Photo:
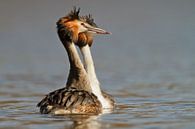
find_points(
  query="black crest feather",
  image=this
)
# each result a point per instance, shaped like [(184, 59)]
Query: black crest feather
[(89, 19), (74, 14)]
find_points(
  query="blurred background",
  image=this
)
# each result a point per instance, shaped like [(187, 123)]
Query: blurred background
[(151, 41), (150, 52)]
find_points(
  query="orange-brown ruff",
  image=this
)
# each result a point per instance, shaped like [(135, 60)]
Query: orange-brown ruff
[(86, 38), (76, 97)]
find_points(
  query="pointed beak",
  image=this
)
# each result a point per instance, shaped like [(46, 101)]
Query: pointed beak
[(96, 30)]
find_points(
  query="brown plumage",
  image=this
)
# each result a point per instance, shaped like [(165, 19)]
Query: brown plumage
[(77, 96), (70, 100)]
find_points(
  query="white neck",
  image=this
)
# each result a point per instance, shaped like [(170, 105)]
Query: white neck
[(90, 69), (89, 66)]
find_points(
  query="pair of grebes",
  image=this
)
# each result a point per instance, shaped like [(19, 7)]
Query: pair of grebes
[(82, 93)]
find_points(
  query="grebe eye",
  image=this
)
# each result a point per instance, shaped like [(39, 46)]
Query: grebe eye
[(82, 24)]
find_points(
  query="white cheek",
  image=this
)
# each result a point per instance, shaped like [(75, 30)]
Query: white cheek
[(82, 29)]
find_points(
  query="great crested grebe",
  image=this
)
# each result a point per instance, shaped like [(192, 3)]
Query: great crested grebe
[(77, 97), (84, 42)]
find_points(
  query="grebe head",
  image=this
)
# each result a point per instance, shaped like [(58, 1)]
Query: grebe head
[(87, 37), (70, 26)]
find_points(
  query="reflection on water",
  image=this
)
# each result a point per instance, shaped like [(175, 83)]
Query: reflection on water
[(138, 106)]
